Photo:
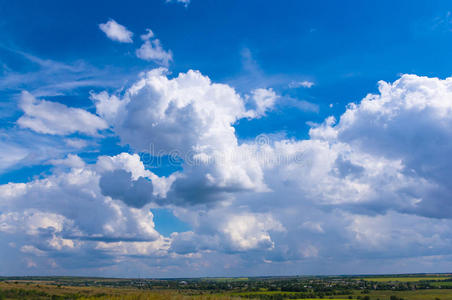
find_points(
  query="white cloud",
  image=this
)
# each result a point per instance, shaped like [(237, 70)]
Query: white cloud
[(116, 32), (188, 112), (181, 121), (147, 36), (66, 212), (304, 83), (369, 167), (264, 100), (72, 161), (375, 183), (399, 131), (229, 231), (191, 118), (152, 50), (57, 119), (246, 232)]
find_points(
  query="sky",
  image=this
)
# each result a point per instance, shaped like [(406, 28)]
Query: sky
[(191, 138)]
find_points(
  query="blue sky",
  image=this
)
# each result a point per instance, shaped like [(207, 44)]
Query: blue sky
[(163, 137)]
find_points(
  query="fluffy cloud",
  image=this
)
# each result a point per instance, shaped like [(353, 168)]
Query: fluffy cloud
[(410, 121), (375, 183), (152, 50), (264, 100), (179, 114), (116, 32), (248, 231), (338, 166), (67, 213), (68, 195), (227, 230), (55, 118), (402, 134), (193, 119)]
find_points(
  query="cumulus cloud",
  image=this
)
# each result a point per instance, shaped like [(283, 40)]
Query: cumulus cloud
[(374, 183), (248, 231), (191, 118), (152, 50), (402, 132), (188, 112), (67, 213), (416, 112), (355, 168), (228, 231), (57, 119), (116, 32)]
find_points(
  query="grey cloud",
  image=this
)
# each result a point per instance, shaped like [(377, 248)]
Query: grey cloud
[(118, 184)]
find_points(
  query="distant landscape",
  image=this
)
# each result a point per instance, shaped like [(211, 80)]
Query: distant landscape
[(391, 287)]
